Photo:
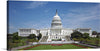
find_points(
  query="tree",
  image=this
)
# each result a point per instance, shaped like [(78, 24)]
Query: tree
[(98, 35), (39, 36), (86, 35), (16, 37), (94, 33), (76, 34), (32, 36)]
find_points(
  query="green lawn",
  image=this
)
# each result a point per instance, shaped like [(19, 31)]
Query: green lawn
[(46, 47)]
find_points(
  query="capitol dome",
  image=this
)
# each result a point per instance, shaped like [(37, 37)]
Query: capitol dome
[(56, 22)]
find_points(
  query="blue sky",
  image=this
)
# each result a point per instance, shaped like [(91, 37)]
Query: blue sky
[(39, 15)]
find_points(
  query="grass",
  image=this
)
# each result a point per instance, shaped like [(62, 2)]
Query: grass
[(46, 47)]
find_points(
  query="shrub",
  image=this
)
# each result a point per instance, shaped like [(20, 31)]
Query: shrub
[(32, 40), (76, 34), (75, 39), (31, 36), (56, 39), (17, 41)]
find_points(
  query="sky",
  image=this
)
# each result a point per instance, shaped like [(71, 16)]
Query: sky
[(39, 15)]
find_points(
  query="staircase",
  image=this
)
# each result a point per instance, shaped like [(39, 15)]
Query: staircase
[(44, 39), (67, 38)]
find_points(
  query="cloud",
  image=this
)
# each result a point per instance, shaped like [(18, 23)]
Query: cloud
[(82, 17), (35, 25), (36, 4)]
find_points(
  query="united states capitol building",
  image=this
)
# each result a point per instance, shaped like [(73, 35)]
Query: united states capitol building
[(55, 32)]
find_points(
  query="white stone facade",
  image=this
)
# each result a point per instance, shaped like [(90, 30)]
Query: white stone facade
[(27, 31), (85, 30), (55, 32)]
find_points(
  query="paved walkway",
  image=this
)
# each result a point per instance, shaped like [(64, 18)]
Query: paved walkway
[(88, 45), (21, 47)]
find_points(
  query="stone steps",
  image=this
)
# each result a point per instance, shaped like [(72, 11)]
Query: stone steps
[(44, 39), (67, 38)]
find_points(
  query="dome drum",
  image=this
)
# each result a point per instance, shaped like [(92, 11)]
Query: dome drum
[(56, 22)]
